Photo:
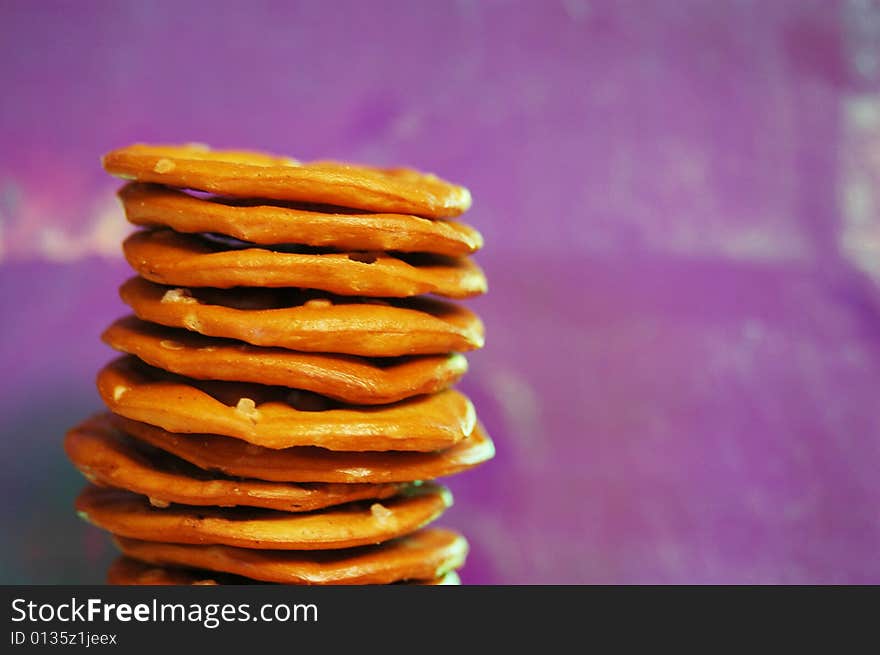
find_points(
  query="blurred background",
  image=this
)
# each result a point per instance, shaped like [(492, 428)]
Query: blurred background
[(680, 204)]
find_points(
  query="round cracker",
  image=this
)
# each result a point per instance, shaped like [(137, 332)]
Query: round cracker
[(106, 456), (343, 377), (345, 526), (424, 555), (258, 175), (292, 319), (305, 464), (130, 572), (267, 416), (153, 205), (166, 257)]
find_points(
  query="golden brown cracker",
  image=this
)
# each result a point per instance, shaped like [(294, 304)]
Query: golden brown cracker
[(108, 457), (346, 378), (152, 205), (166, 257), (309, 464), (276, 417), (344, 526), (258, 175), (423, 555), (128, 571), (131, 572), (291, 319)]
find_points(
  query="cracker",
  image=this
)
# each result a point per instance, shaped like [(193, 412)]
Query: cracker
[(275, 417), (166, 257), (106, 456), (128, 571), (291, 319), (345, 526), (344, 377), (257, 175), (305, 464), (152, 205), (423, 555)]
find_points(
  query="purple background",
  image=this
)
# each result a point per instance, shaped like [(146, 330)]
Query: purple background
[(683, 242)]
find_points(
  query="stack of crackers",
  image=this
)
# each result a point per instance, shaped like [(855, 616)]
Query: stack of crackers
[(284, 403)]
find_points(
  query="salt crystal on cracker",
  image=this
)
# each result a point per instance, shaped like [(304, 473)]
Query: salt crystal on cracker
[(164, 166), (192, 322), (178, 295), (248, 408), (380, 512)]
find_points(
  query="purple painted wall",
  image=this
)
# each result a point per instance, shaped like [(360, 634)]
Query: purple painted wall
[(680, 205)]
